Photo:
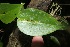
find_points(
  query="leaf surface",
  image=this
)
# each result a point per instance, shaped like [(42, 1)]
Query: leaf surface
[(35, 22), (8, 12)]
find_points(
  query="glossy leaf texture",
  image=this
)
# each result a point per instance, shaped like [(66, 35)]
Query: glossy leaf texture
[(8, 12), (35, 22)]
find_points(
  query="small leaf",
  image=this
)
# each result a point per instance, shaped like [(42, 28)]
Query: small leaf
[(35, 22), (54, 39), (9, 11)]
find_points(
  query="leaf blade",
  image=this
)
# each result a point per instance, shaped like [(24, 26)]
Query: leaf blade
[(35, 22), (10, 12)]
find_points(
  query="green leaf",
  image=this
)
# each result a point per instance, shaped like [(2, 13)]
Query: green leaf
[(54, 39), (8, 12), (35, 22)]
